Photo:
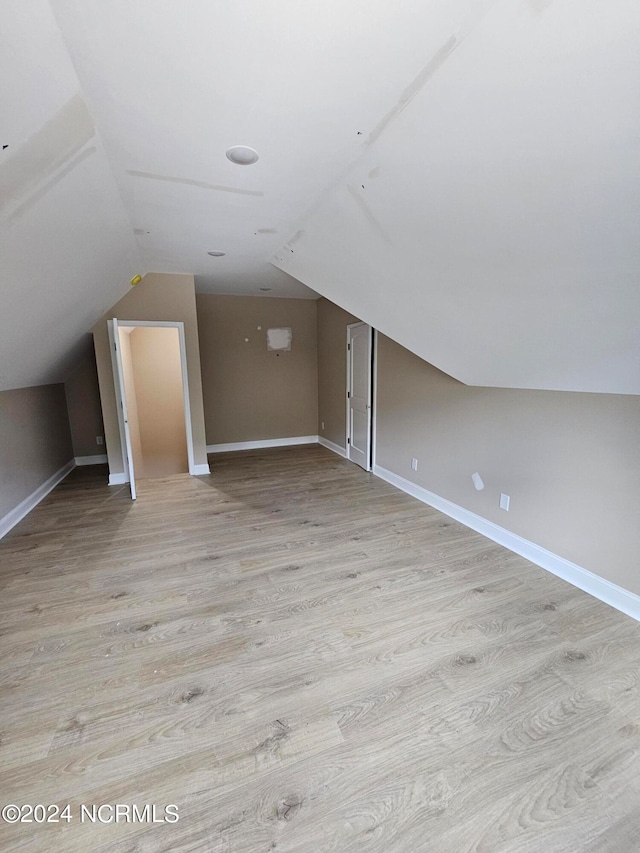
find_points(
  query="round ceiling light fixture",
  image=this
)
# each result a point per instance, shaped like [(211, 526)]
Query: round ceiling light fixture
[(242, 155), (217, 254)]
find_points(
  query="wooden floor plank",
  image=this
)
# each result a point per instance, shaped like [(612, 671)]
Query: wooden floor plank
[(303, 658)]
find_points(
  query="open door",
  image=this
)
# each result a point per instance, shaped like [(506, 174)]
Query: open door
[(359, 349), (121, 402)]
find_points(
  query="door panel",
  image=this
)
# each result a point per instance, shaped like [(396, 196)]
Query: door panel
[(121, 400), (359, 394)]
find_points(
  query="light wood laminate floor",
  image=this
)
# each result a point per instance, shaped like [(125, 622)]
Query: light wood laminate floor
[(302, 658)]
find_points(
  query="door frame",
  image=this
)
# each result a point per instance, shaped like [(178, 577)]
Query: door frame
[(123, 408), (168, 324), (374, 399), (117, 389), (373, 373)]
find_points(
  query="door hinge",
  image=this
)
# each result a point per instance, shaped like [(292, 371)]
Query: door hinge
[(348, 395), (348, 346), (348, 441), (115, 348)]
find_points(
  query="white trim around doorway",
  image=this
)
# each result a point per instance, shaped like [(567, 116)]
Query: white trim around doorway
[(372, 401), (194, 469)]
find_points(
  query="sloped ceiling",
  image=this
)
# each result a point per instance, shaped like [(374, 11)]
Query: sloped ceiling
[(492, 221), (463, 174), (173, 85), (66, 247)]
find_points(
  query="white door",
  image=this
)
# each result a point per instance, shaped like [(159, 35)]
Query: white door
[(121, 401), (359, 394)]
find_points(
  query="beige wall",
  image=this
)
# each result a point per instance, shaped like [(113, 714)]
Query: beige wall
[(35, 441), (83, 403), (250, 393), (155, 357), (332, 371), (160, 296), (569, 461)]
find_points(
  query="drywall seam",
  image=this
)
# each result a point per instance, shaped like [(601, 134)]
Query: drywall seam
[(416, 85), (257, 445), (189, 182), (24, 507), (433, 65), (331, 445), (368, 215), (610, 593), (49, 185), (46, 151)]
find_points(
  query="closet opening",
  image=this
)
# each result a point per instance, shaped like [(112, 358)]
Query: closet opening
[(153, 399)]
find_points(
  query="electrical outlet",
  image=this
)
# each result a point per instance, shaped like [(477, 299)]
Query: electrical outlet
[(414, 464), (99, 439), (505, 500), (322, 424)]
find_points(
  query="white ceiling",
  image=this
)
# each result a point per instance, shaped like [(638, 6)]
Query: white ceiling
[(173, 85), (498, 142), (493, 226), (66, 245)]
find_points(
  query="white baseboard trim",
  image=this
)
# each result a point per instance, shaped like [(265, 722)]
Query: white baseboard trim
[(92, 460), (200, 470), (258, 445), (24, 507), (118, 479), (612, 594), (330, 445), (122, 479)]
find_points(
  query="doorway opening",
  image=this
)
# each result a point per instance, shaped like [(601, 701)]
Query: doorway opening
[(360, 356), (153, 399)]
